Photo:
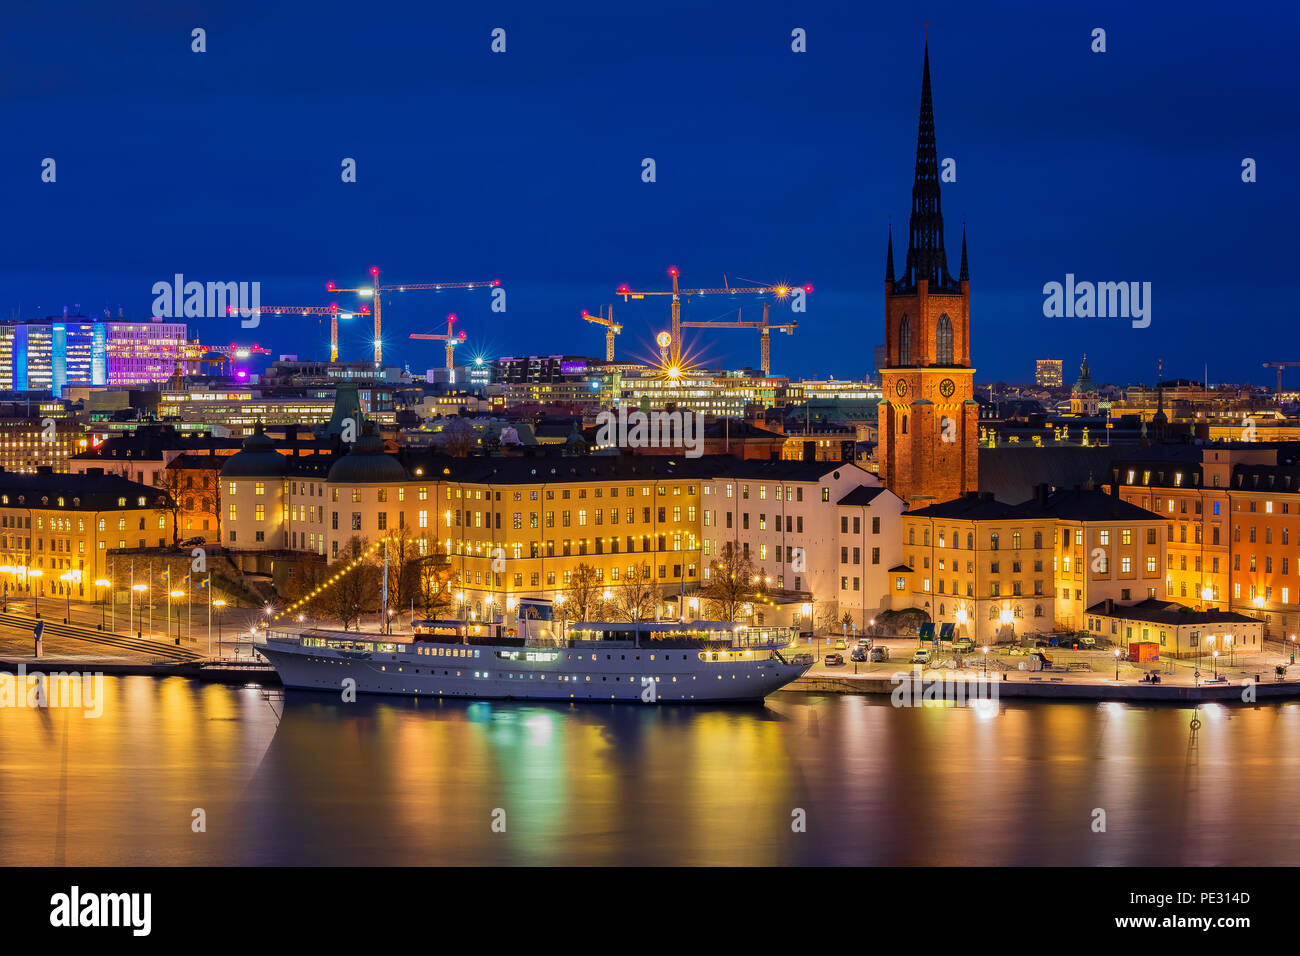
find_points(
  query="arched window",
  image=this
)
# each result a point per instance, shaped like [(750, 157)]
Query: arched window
[(905, 341), (993, 541), (970, 541), (943, 341), (1038, 610)]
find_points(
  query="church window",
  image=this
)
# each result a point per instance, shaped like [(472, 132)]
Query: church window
[(943, 342)]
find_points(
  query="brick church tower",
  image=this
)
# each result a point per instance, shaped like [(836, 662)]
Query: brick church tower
[(929, 419)]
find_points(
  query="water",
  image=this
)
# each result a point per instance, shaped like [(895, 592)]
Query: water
[(403, 782)]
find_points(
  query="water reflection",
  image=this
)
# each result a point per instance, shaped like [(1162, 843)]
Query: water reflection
[(309, 780)]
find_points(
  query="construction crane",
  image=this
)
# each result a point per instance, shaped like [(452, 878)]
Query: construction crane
[(612, 329), (196, 350), (1279, 366), (764, 331), (780, 291), (376, 289), (451, 339), (333, 311)]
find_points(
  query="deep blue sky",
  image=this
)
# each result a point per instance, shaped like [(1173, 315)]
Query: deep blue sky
[(771, 165)]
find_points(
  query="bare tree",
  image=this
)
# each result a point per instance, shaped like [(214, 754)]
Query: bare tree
[(585, 596), (731, 582), (308, 573), (434, 580), (356, 589), (637, 597), (405, 562), (171, 482)]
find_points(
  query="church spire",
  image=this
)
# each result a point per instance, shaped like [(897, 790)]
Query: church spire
[(926, 258), (889, 257), (964, 275)]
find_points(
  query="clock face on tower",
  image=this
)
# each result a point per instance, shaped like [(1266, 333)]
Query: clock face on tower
[(946, 388), (901, 388)]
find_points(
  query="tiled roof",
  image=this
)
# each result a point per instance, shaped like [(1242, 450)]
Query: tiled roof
[(1155, 611), (88, 492)]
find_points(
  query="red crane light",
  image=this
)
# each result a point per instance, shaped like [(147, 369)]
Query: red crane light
[(807, 288), (672, 270), (622, 288), (329, 286)]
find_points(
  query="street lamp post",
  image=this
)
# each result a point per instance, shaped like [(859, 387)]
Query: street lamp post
[(1117, 664), (218, 604), (172, 595), (1216, 664), (101, 583), (36, 591), (67, 578), (135, 589)]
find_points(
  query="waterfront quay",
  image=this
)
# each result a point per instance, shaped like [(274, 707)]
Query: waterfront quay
[(1075, 674)]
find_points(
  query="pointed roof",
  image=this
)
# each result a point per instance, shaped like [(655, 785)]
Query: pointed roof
[(964, 275), (1084, 384), (889, 257), (926, 258)]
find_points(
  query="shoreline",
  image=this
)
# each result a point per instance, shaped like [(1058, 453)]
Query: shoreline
[(878, 685), (218, 672), (1046, 688)]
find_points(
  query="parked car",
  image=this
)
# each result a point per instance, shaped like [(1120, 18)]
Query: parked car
[(193, 542), (834, 660), (840, 645), (859, 654), (880, 653), (922, 656), (1088, 642), (963, 645)]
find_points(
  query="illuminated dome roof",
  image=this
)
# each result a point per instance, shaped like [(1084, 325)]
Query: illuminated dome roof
[(1085, 383), (257, 458), (367, 463)]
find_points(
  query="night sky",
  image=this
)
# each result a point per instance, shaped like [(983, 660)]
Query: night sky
[(771, 165)]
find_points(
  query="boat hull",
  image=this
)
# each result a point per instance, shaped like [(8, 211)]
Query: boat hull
[(623, 674)]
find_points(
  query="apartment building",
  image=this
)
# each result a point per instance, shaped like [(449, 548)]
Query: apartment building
[(512, 527), (57, 531), (825, 532), (997, 570), (1232, 521), (520, 526)]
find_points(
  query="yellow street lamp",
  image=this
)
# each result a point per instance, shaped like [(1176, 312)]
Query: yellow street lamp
[(36, 573), (171, 595), (102, 583)]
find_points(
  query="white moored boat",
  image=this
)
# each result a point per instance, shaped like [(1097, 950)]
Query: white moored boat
[(645, 662)]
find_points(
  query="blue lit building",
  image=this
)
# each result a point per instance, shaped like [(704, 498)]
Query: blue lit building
[(49, 355)]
